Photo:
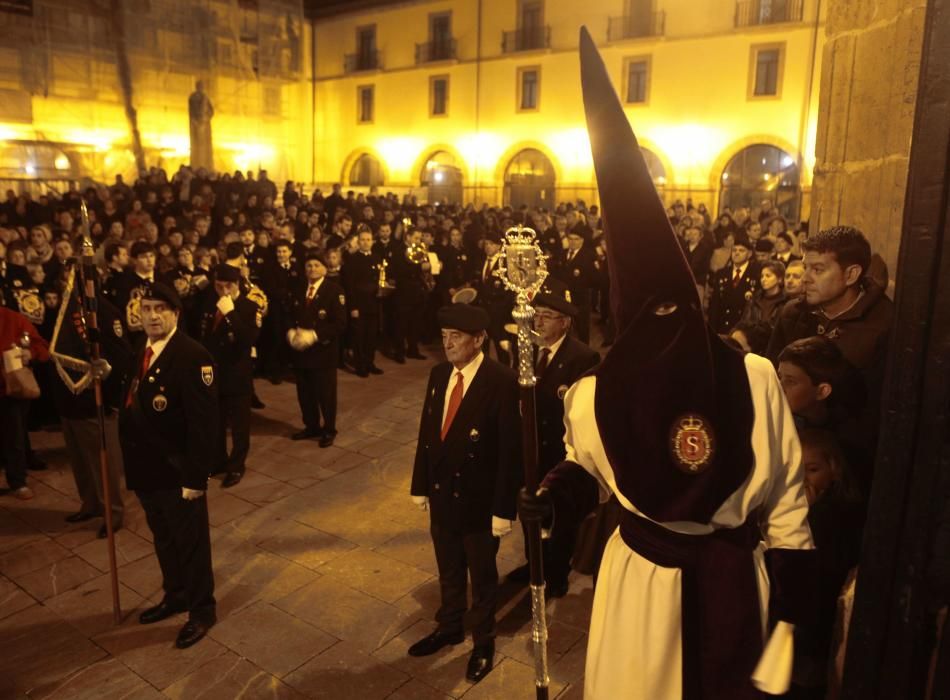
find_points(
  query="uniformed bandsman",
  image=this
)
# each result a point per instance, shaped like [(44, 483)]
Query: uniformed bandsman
[(319, 319), (494, 297), (561, 360), (577, 270), (467, 473), (127, 289), (171, 407), (281, 278), (733, 286), (229, 328), (361, 282)]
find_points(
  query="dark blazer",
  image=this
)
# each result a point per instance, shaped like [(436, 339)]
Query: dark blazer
[(230, 344), (727, 300), (476, 472), (572, 360), (325, 314), (165, 431), (579, 274), (493, 296), (360, 275)]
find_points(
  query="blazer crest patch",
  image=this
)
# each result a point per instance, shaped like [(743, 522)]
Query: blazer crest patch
[(207, 374)]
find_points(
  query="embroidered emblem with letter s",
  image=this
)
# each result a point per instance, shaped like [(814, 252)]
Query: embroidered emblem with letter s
[(207, 374), (692, 443)]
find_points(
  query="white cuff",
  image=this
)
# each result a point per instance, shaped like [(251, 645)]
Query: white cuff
[(500, 526), (421, 502)]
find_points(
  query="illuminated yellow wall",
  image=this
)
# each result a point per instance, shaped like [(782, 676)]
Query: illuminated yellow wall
[(82, 110), (697, 117)]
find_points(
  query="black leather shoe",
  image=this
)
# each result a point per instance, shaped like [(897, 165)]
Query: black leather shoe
[(520, 575), (231, 479), (193, 632), (555, 589), (362, 374), (399, 360), (257, 403), (375, 370), (435, 641), (305, 434), (326, 439), (160, 612), (481, 662), (81, 517), (103, 533)]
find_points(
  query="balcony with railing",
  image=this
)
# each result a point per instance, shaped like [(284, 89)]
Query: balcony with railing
[(432, 51), (361, 61), (636, 26), (753, 13), (528, 39)]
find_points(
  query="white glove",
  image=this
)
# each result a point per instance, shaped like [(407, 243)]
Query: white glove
[(101, 369), (225, 304), (191, 494), (421, 502), (500, 526)]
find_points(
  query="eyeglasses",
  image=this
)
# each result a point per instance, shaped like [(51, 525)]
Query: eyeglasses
[(545, 317)]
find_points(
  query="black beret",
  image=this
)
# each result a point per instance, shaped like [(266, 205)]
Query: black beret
[(493, 236), (141, 248), (159, 291), (227, 273), (764, 245), (741, 238), (554, 294), (234, 250), (582, 230), (787, 236), (464, 317)]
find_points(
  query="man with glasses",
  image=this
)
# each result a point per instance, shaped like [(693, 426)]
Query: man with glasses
[(561, 360)]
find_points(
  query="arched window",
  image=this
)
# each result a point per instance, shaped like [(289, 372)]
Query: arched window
[(443, 178), (366, 172), (530, 180), (655, 166), (762, 173), (34, 161)]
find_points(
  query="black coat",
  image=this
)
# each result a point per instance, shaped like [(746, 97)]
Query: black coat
[(727, 300), (572, 360), (494, 297), (230, 344), (165, 431), (477, 471), (580, 274), (360, 276), (325, 314)]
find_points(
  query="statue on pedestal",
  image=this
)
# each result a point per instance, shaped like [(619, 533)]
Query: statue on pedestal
[(200, 112)]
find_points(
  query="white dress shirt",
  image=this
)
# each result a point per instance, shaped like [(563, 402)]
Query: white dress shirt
[(468, 374)]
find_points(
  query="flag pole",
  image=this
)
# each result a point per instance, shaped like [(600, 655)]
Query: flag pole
[(89, 306), (523, 271)]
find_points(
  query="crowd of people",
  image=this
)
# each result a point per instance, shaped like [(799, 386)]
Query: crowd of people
[(302, 286)]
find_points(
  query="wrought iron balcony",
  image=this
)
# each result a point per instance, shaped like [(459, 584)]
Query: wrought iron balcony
[(430, 51), (751, 13), (526, 39), (363, 60), (636, 26)]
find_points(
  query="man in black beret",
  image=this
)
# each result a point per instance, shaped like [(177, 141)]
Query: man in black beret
[(764, 250), (733, 286), (467, 473), (560, 361), (170, 408), (577, 270), (494, 297), (229, 327)]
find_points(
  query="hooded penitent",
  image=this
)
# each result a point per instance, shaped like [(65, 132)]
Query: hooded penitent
[(672, 402)]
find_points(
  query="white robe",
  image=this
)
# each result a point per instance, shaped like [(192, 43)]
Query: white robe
[(634, 651)]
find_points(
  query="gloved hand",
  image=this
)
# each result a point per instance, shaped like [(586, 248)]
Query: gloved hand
[(500, 526), (535, 506), (191, 494), (101, 369), (225, 304), (421, 502)]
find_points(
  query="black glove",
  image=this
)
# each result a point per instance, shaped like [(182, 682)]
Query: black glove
[(535, 506)]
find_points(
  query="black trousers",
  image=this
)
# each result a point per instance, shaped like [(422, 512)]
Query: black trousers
[(183, 545), (364, 330), (556, 552), (14, 440), (316, 394), (408, 326), (581, 324), (275, 353), (234, 412), (460, 556)]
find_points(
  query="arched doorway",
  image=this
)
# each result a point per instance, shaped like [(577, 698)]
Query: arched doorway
[(443, 178), (758, 173), (35, 167), (530, 180), (655, 166), (367, 171)]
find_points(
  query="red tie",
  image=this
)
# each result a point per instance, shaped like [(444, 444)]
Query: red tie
[(455, 400), (218, 317), (736, 278), (146, 360)]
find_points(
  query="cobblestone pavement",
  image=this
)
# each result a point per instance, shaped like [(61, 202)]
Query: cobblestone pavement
[(324, 570)]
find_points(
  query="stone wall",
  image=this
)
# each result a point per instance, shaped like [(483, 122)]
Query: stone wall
[(869, 76)]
